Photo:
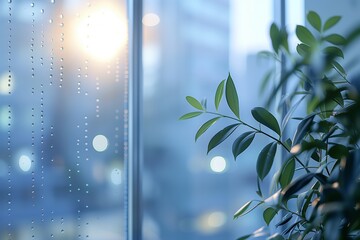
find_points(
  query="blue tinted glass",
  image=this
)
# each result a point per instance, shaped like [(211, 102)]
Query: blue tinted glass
[(189, 47), (63, 78)]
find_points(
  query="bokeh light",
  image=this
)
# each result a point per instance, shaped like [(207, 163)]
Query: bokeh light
[(115, 176), (151, 20), (218, 164), (100, 143), (24, 163)]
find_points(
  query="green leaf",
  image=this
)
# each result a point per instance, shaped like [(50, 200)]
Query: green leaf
[(339, 68), (297, 185), (244, 237), (190, 115), (300, 200), (303, 50), (259, 192), (275, 37), (305, 35), (331, 22), (335, 39), (265, 160), (245, 209), (287, 173), (195, 103), (284, 40), (232, 97), (219, 93), (338, 151), (334, 51), (205, 127), (264, 117), (303, 128), (269, 214), (242, 210), (242, 143), (290, 112), (288, 143), (221, 136), (315, 20), (312, 144)]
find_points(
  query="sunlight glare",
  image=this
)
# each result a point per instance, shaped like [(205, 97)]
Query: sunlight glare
[(102, 34)]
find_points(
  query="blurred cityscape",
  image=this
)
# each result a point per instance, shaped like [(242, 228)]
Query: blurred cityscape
[(63, 114), (62, 110), (189, 47)]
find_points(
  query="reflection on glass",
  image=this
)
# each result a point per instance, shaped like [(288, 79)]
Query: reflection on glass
[(63, 78)]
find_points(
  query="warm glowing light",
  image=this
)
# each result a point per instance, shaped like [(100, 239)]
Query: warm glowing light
[(211, 222), (24, 163), (151, 20), (218, 164), (100, 143), (102, 34), (5, 85), (295, 149), (216, 219)]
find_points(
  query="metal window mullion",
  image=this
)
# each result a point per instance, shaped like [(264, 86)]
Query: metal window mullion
[(134, 209)]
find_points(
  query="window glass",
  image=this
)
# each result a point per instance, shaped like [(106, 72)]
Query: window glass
[(189, 47), (350, 19), (63, 81)]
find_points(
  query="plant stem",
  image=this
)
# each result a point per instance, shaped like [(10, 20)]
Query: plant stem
[(264, 133)]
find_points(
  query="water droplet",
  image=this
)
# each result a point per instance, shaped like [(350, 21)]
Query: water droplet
[(32, 4), (9, 1), (50, 20), (42, 11), (52, 1)]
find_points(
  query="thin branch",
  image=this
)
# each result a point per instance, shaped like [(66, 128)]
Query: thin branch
[(264, 133)]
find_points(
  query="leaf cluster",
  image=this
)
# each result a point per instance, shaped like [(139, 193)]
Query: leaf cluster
[(316, 191)]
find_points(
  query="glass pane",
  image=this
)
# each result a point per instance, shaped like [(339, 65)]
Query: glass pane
[(189, 47), (63, 91), (350, 18)]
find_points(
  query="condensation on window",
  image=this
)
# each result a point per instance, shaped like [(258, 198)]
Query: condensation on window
[(63, 119)]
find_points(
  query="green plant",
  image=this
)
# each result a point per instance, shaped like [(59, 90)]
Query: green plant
[(316, 192)]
